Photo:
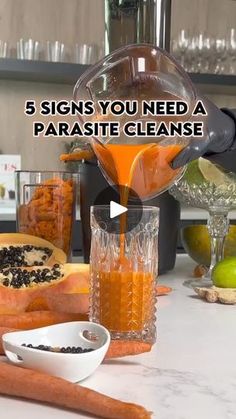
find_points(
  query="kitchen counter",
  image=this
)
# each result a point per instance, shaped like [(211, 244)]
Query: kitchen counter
[(190, 373)]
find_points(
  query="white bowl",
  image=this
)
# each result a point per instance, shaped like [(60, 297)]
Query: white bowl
[(72, 367)]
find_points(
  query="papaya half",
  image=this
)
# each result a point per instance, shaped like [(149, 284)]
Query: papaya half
[(11, 243), (34, 276), (68, 293)]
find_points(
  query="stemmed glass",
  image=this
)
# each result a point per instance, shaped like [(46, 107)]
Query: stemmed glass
[(208, 46), (191, 56), (182, 42), (202, 53), (232, 51), (221, 55), (4, 50), (216, 193)]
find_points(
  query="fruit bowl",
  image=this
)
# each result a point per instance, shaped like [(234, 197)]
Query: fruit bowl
[(196, 243)]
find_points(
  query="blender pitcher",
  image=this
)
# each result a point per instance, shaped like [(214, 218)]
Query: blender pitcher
[(137, 72)]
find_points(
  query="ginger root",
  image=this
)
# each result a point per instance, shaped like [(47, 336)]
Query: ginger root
[(215, 294)]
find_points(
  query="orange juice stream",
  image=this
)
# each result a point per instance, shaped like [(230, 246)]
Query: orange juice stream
[(126, 296)]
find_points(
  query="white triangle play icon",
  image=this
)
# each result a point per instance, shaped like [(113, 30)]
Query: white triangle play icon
[(116, 209)]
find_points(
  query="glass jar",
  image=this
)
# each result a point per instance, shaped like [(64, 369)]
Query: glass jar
[(46, 206)]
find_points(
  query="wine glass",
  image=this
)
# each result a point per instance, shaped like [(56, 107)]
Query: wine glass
[(200, 52), (208, 186), (183, 42), (232, 51), (221, 55), (208, 48), (179, 47), (191, 56)]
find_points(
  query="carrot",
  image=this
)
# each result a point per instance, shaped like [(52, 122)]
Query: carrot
[(119, 348), (35, 319), (79, 155), (163, 289), (49, 212), (33, 385)]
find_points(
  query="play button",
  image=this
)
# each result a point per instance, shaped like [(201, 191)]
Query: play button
[(108, 210), (116, 209)]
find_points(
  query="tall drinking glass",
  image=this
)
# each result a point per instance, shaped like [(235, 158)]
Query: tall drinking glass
[(46, 206), (124, 266)]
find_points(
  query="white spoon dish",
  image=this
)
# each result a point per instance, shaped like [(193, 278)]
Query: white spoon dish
[(70, 366)]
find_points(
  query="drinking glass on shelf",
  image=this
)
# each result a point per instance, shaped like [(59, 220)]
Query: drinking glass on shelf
[(123, 271), (206, 185), (4, 52), (199, 52), (27, 50), (202, 53), (185, 50), (208, 56), (191, 56), (183, 43), (231, 49), (221, 56), (86, 54), (45, 206), (175, 49), (55, 51)]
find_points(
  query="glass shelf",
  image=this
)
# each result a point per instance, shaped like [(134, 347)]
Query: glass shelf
[(68, 73)]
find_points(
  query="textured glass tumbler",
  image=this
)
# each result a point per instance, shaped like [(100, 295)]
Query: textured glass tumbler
[(46, 206), (123, 271)]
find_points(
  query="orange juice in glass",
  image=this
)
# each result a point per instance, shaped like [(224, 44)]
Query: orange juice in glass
[(124, 267)]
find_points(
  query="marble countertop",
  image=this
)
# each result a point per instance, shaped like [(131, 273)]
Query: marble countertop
[(190, 373)]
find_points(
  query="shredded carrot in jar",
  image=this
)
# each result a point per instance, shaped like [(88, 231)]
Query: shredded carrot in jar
[(49, 213)]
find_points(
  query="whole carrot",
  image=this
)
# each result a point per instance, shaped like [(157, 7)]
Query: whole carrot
[(163, 290), (35, 319), (119, 348), (33, 385), (78, 156)]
